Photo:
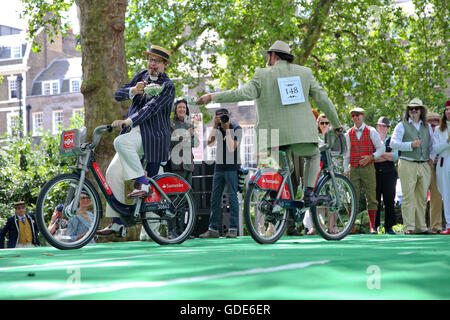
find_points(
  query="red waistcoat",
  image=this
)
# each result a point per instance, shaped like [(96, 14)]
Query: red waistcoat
[(361, 147)]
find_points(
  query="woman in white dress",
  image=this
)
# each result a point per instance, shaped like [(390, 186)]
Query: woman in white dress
[(441, 146)]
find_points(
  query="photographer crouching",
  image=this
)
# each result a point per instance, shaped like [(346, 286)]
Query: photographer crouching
[(228, 136)]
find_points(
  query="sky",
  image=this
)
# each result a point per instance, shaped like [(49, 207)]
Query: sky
[(10, 11)]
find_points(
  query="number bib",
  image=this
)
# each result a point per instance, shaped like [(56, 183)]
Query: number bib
[(291, 90)]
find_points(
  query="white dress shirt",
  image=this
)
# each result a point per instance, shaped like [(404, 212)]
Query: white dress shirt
[(374, 136), (397, 139)]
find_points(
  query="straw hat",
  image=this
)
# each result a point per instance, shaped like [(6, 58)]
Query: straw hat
[(433, 115), (160, 52), (19, 203)]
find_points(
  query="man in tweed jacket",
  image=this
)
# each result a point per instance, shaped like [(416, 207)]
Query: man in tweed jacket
[(294, 122), (149, 119)]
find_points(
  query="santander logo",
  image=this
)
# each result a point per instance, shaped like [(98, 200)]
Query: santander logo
[(173, 185), (69, 140), (270, 181)]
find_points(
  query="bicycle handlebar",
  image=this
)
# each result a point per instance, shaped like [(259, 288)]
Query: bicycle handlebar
[(98, 133)]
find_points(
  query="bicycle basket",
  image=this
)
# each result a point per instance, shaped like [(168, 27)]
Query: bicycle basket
[(70, 141), (339, 146)]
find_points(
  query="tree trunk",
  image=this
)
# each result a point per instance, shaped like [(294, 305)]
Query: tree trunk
[(102, 24)]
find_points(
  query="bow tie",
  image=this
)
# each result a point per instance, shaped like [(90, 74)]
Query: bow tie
[(359, 130), (22, 219)]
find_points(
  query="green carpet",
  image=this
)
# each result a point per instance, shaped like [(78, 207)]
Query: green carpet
[(358, 267)]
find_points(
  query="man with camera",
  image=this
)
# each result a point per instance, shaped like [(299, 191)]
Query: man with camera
[(228, 136)]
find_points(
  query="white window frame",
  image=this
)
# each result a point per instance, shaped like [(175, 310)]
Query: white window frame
[(14, 50), (79, 84), (38, 130), (77, 111), (13, 81), (51, 87), (55, 124), (247, 145), (10, 121)]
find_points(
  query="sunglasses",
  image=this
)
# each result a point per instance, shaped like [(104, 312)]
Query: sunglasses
[(413, 108), (324, 123), (85, 198), (356, 114)]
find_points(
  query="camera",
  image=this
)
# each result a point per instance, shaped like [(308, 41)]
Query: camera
[(224, 118)]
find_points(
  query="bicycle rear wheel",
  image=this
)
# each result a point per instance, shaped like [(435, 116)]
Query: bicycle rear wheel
[(165, 227), (62, 229), (264, 226), (335, 214)]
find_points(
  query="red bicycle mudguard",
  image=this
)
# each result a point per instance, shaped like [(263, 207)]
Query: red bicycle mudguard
[(271, 180), (170, 184)]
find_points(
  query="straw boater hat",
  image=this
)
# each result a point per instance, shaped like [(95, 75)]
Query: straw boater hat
[(280, 46), (160, 52), (19, 203)]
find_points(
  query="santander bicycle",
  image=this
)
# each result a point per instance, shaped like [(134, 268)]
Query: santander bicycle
[(60, 200), (270, 200)]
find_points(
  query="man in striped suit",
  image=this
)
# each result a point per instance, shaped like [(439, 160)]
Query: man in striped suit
[(364, 146), (149, 120)]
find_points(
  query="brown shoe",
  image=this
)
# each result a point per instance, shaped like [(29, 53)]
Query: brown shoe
[(141, 191), (209, 234), (231, 234)]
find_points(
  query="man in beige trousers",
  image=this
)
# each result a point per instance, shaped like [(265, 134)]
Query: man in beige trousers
[(282, 93), (412, 137)]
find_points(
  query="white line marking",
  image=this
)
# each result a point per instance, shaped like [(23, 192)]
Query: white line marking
[(83, 290)]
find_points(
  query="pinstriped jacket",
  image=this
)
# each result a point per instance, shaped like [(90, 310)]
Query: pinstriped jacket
[(151, 114)]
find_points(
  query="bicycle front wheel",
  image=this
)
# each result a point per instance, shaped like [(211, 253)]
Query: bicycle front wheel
[(264, 225), (59, 226), (166, 227), (335, 214)]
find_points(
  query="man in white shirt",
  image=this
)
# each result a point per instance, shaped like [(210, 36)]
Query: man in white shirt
[(412, 137), (365, 146)]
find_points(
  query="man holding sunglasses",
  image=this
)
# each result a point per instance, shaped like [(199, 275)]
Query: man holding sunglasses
[(412, 137)]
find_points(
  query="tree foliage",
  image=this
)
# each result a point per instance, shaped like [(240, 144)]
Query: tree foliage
[(366, 53), (26, 166)]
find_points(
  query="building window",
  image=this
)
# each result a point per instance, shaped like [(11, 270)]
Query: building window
[(50, 87), (13, 89), (38, 121), (248, 143), (57, 121), (17, 52), (75, 85), (12, 123)]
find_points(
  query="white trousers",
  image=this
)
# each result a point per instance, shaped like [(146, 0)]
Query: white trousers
[(125, 165), (443, 183)]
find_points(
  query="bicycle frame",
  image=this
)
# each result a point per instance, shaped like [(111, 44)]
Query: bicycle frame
[(87, 162)]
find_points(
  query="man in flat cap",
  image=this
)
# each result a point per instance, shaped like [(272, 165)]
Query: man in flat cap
[(364, 147), (282, 93), (412, 138), (435, 196), (149, 119), (21, 229)]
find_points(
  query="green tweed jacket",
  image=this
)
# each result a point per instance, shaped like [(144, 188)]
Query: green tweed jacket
[(295, 122)]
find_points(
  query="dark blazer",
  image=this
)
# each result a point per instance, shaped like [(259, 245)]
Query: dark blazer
[(151, 114), (12, 229)]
